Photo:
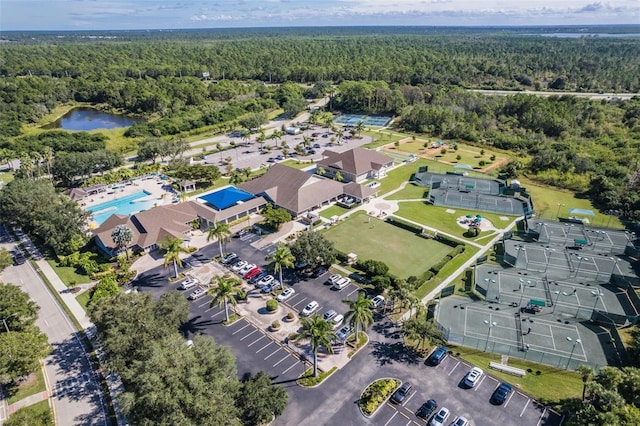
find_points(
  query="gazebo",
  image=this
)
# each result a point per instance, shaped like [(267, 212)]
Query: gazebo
[(187, 185)]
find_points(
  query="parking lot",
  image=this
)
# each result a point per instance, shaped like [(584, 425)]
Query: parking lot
[(444, 384)]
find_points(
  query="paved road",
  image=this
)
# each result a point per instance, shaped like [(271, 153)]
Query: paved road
[(77, 399), (607, 96)]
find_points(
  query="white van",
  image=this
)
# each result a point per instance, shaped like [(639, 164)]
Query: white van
[(337, 321)]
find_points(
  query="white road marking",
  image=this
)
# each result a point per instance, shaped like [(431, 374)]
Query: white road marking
[(285, 357), (454, 367), (272, 353), (204, 304), (389, 421), (354, 291), (254, 331), (238, 331), (294, 364), (410, 396), (525, 407), (477, 386), (216, 314), (255, 341), (508, 399), (542, 416), (264, 347)]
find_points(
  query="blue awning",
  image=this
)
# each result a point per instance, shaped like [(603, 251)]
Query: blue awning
[(583, 212)]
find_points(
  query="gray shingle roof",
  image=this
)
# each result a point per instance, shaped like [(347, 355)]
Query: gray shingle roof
[(355, 161)]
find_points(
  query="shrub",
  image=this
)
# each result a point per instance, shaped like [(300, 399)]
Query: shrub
[(290, 316), (376, 393), (272, 305), (275, 325)]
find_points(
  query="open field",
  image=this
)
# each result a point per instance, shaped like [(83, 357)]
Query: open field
[(32, 385), (409, 192), (405, 253), (68, 274), (445, 272), (334, 210), (437, 217), (39, 413), (547, 198)]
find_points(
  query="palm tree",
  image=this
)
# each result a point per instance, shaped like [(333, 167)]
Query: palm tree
[(223, 291), (338, 176), (321, 171), (48, 157), (172, 247), (122, 236), (220, 231), (587, 374), (319, 333), (360, 313), (359, 127), (340, 134), (281, 258)]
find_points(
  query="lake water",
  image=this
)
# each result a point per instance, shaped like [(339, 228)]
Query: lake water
[(90, 119), (578, 35)]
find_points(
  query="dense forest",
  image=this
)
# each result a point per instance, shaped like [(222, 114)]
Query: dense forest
[(419, 75)]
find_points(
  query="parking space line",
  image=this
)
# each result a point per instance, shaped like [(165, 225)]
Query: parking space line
[(475, 389), (389, 421), (216, 314), (272, 353), (410, 396), (254, 331), (256, 341), (238, 331), (454, 367), (354, 291), (525, 407), (508, 399), (294, 364), (285, 357), (303, 299), (204, 304), (542, 416), (404, 415), (264, 346)]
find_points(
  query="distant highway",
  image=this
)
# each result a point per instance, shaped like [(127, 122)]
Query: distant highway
[(607, 96)]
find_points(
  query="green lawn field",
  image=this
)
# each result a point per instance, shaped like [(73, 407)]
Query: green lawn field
[(405, 253)]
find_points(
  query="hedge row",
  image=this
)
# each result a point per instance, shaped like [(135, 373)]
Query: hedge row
[(446, 240), (376, 393), (452, 254), (404, 225)]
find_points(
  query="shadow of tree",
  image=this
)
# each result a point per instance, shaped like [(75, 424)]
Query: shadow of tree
[(387, 353)]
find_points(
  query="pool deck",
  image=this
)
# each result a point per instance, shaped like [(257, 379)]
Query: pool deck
[(153, 185)]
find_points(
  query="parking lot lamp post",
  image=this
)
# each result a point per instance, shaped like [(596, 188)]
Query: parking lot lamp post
[(558, 212), (567, 231), (521, 291), (580, 259), (549, 251), (490, 325), (598, 296), (615, 264), (575, 342), (4, 321), (558, 293)]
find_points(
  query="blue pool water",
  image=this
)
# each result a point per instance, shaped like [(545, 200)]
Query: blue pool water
[(123, 205)]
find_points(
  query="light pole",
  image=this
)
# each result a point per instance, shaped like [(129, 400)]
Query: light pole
[(4, 321), (548, 251), (598, 295), (567, 231), (520, 249), (521, 292), (558, 293), (575, 342), (580, 259), (490, 325), (558, 212), (615, 264)]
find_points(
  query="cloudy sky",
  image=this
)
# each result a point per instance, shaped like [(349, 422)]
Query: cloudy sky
[(150, 14)]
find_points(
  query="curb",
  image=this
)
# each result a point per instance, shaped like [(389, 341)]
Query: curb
[(399, 383)]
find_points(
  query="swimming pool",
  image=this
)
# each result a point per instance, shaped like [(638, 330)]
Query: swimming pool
[(123, 205)]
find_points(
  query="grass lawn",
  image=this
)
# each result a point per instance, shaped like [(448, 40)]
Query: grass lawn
[(83, 299), (382, 137), (39, 413), (409, 192), (551, 385), (6, 177), (403, 251), (34, 384), (399, 175), (437, 217), (334, 210), (547, 198), (68, 274), (298, 164), (445, 272)]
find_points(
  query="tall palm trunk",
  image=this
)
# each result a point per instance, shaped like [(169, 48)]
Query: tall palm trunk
[(315, 363), (175, 267), (226, 311)]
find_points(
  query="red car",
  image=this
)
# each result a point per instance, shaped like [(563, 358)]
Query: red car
[(252, 273)]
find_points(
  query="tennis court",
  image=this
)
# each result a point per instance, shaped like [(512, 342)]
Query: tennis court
[(457, 182), (478, 201), (578, 235), (368, 120)]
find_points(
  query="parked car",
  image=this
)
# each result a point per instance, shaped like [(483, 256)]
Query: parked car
[(266, 280), (341, 283), (287, 293), (252, 273), (440, 418), (246, 268), (333, 278), (241, 233), (329, 314), (188, 283), (337, 321), (316, 145), (437, 356), (319, 271), (377, 301), (473, 376), (501, 393), (426, 410), (310, 308), (344, 333), (300, 264), (237, 266), (269, 287), (197, 294), (460, 421), (228, 258), (401, 393), (373, 184), (257, 278)]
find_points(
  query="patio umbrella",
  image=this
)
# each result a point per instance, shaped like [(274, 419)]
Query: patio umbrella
[(479, 216), (469, 216)]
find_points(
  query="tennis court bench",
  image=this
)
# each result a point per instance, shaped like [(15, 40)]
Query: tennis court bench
[(506, 369)]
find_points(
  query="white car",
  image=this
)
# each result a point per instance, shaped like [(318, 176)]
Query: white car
[(333, 278), (265, 281), (310, 308), (473, 377), (460, 421), (341, 283), (377, 301), (188, 283), (246, 268), (329, 314), (197, 294), (239, 266), (440, 418), (287, 293), (336, 321)]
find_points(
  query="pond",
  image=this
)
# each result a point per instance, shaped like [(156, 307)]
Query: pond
[(90, 119)]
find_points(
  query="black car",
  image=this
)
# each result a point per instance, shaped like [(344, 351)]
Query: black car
[(437, 356), (426, 410), (501, 393), (399, 395), (258, 277), (319, 271)]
